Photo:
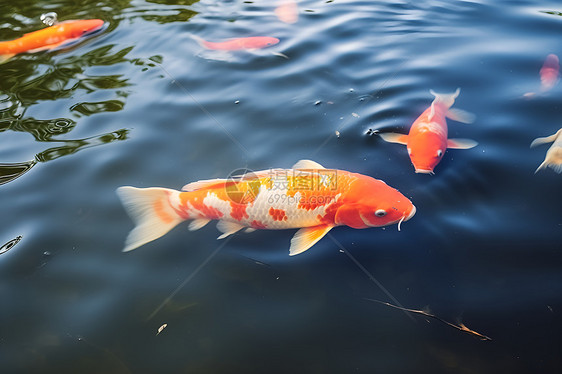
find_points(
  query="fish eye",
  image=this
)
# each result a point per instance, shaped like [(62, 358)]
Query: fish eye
[(380, 213), (439, 153)]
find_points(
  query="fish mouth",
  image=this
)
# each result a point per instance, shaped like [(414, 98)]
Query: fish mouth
[(424, 171)]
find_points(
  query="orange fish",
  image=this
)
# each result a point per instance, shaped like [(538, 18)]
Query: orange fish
[(549, 72), (253, 42), (287, 11), (427, 140), (50, 37), (308, 197)]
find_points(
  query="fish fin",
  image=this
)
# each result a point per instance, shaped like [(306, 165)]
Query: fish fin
[(197, 223), (542, 166), (279, 54), (228, 228), (432, 111), (447, 99), (199, 40), (193, 186), (307, 237), (393, 137), (546, 139), (249, 230), (307, 164), (461, 143), (6, 57), (552, 160), (460, 115), (150, 209)]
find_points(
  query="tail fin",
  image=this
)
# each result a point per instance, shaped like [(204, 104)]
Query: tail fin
[(151, 211), (447, 99)]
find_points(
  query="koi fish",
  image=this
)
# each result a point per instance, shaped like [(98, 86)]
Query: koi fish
[(287, 11), (253, 42), (50, 37), (549, 72), (427, 140), (553, 157), (308, 197)]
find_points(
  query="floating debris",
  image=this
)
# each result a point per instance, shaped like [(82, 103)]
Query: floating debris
[(161, 328), (9, 245), (460, 326), (237, 102), (355, 115), (318, 102), (337, 133), (372, 132)]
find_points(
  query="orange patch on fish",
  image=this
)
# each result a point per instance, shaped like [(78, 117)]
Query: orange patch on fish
[(277, 214), (160, 212), (258, 225), (238, 211)]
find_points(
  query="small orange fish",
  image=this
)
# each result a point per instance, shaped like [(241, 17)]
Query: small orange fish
[(427, 140), (253, 42), (287, 11), (549, 72), (50, 37), (308, 197)]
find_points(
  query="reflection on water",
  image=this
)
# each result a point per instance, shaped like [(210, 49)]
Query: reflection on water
[(9, 245), (9, 172)]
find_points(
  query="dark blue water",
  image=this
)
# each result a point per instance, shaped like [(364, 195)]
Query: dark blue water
[(142, 104)]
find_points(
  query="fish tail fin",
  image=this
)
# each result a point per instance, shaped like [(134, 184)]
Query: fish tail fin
[(198, 39), (5, 57), (151, 211), (553, 160), (447, 99)]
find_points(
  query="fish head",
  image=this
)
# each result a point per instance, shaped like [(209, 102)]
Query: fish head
[(76, 29), (371, 202), (426, 149)]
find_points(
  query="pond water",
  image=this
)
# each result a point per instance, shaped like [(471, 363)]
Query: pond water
[(144, 104)]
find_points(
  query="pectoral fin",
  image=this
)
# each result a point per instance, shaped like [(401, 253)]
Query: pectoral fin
[(197, 223), (460, 115), (6, 57), (228, 228), (393, 137), (546, 139), (461, 143), (306, 238)]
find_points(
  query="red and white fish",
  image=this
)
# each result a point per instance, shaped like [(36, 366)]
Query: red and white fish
[(252, 42), (308, 197), (549, 72), (50, 37), (553, 157), (287, 11), (427, 140)]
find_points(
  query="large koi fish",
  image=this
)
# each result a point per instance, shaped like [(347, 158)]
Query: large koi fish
[(308, 197), (427, 140), (50, 37)]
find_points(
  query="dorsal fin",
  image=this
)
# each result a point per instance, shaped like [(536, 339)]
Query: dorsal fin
[(307, 164), (193, 186)]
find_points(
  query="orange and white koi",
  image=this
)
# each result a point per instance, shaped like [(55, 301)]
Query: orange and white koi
[(253, 42), (553, 157), (50, 37), (427, 140), (308, 197), (549, 72), (287, 11)]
